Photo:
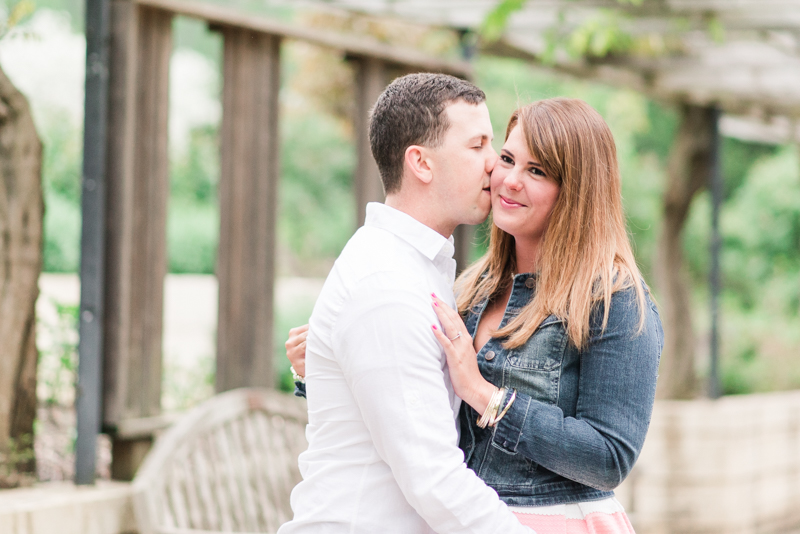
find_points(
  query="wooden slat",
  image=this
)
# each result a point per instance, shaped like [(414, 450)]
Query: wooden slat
[(350, 45), (205, 482), (176, 498), (371, 80), (221, 495), (257, 451), (244, 472), (247, 189), (230, 482)]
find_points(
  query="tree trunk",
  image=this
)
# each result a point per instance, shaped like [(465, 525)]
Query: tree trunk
[(21, 213), (688, 171)]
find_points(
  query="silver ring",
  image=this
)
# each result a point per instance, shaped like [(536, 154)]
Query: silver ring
[(458, 335)]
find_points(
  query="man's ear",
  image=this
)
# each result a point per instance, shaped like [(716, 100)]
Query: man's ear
[(417, 161)]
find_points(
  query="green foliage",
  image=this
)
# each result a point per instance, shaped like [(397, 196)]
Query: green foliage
[(495, 22), (62, 234), (192, 236), (61, 162), (183, 386), (599, 36), (761, 227), (58, 356), (17, 13), (316, 209), (14, 456)]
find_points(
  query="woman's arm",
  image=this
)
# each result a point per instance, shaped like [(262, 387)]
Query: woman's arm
[(616, 391)]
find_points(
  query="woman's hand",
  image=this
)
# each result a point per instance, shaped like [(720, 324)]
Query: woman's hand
[(462, 360), (296, 348)]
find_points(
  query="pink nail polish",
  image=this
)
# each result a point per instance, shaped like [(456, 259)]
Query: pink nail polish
[(436, 304), (434, 295), (434, 327)]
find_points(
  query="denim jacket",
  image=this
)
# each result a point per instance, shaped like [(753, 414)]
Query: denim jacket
[(580, 416)]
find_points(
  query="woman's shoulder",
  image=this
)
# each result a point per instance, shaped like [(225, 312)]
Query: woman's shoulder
[(629, 306)]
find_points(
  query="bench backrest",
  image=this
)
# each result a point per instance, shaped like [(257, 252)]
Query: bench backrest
[(229, 465)]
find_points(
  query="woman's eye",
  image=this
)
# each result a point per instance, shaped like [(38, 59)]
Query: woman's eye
[(506, 159), (537, 171)]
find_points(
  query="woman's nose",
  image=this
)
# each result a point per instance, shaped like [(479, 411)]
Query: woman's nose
[(513, 182)]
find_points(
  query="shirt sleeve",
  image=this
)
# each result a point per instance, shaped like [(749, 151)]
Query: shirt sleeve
[(616, 392), (394, 368)]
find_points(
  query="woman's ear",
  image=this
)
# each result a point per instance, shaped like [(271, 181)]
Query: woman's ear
[(418, 162)]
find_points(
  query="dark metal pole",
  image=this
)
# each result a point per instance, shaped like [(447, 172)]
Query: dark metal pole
[(716, 187), (90, 372)]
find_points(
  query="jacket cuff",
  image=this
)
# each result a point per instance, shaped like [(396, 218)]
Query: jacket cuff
[(300, 390), (509, 429)]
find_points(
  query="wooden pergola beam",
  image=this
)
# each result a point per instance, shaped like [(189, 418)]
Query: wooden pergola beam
[(538, 14), (350, 45), (755, 70)]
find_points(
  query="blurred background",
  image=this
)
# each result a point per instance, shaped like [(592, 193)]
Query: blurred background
[(43, 53)]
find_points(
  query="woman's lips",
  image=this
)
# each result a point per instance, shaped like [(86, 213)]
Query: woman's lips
[(508, 203)]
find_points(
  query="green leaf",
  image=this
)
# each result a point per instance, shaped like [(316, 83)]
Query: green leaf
[(716, 29), (17, 14), (496, 21)]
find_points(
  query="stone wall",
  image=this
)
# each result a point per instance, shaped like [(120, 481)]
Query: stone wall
[(719, 466)]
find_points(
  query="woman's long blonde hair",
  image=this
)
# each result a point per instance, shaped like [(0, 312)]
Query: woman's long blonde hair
[(585, 254)]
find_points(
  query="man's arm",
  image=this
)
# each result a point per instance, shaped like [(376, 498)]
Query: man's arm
[(393, 367)]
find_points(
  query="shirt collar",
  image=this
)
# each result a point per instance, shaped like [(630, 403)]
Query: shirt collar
[(428, 241)]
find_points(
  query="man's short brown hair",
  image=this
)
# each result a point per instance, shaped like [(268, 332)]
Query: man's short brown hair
[(411, 112)]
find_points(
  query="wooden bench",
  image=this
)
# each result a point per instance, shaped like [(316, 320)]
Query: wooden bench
[(228, 465)]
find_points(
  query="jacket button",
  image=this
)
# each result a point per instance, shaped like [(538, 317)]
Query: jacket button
[(529, 283), (490, 356)]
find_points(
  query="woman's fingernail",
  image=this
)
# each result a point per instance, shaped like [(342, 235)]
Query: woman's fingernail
[(434, 295), (434, 327)]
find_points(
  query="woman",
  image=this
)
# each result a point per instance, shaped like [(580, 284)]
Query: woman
[(557, 354)]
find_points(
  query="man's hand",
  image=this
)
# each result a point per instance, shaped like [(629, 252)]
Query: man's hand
[(296, 348)]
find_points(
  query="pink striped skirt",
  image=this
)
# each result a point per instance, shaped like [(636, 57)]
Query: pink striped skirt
[(596, 517)]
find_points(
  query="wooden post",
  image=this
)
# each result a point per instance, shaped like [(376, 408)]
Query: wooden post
[(138, 191), (248, 201), (370, 83)]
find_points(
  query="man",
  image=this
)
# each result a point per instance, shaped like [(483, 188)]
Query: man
[(383, 454)]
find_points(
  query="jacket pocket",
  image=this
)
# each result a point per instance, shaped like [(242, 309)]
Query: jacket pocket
[(504, 469), (544, 350)]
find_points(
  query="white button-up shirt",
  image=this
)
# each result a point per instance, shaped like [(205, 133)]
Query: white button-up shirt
[(383, 452)]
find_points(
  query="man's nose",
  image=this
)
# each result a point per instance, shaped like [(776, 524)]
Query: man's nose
[(491, 160)]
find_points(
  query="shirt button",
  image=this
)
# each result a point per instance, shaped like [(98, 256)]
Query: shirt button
[(490, 356), (529, 283)]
